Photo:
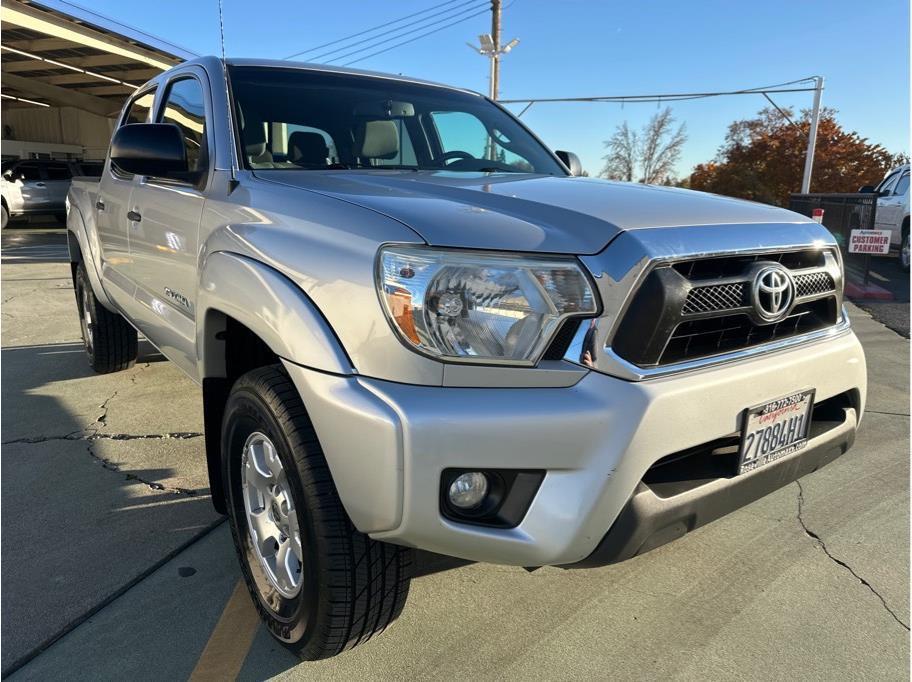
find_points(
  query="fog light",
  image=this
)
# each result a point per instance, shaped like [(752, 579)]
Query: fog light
[(468, 490)]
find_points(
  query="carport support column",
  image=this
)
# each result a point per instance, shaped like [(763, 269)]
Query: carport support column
[(812, 138)]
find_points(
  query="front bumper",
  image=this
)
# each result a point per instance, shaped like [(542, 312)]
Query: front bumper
[(387, 445)]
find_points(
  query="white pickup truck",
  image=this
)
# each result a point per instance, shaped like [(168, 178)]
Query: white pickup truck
[(415, 328)]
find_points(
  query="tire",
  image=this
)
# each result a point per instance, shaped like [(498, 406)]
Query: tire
[(904, 255), (349, 586), (109, 340), (4, 217)]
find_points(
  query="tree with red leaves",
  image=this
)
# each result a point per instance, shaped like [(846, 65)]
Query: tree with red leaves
[(762, 159)]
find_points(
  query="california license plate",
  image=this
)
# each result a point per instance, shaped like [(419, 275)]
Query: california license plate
[(775, 429)]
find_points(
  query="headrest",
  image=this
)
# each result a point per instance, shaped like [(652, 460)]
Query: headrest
[(377, 140), (307, 147), (254, 139)]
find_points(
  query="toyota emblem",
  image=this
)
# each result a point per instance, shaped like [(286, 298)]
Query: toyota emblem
[(773, 293)]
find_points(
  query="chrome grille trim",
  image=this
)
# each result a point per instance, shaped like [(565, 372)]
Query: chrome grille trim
[(626, 370), (621, 268)]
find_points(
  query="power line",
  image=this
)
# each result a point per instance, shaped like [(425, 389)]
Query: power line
[(401, 35), (412, 40), (378, 27), (666, 97), (451, 15)]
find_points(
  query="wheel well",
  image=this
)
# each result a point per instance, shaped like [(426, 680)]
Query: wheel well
[(905, 226), (231, 351)]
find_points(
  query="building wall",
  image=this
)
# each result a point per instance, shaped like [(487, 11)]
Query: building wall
[(60, 125)]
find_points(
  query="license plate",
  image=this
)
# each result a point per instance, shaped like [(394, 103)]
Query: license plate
[(775, 429)]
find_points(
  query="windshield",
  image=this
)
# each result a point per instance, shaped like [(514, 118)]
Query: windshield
[(311, 120)]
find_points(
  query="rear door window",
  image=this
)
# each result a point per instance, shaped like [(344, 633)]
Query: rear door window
[(28, 172), (58, 172)]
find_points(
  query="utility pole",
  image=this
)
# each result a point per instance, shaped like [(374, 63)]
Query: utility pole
[(812, 137), (495, 56)]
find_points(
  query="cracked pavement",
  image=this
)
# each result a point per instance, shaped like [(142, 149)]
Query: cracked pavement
[(114, 564)]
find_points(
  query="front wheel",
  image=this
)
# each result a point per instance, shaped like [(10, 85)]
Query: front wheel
[(4, 216), (320, 586)]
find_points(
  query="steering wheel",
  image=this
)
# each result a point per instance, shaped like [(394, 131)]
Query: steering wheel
[(455, 155)]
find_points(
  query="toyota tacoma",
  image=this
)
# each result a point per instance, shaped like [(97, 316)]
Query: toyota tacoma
[(416, 327)]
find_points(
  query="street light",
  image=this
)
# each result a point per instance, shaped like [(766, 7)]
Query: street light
[(490, 49)]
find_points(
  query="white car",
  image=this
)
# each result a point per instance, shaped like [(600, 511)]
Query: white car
[(893, 210)]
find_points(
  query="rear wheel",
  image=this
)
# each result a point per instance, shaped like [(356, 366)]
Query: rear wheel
[(109, 340), (320, 585)]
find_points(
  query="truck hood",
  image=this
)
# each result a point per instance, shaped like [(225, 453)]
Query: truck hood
[(525, 212)]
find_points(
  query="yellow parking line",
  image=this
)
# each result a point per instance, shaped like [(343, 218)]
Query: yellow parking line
[(230, 641)]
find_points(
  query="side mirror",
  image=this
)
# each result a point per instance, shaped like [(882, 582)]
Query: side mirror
[(155, 149), (867, 189), (571, 161)]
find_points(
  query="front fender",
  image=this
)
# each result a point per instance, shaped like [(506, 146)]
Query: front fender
[(271, 306)]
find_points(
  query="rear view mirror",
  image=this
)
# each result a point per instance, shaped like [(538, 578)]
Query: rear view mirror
[(571, 161), (384, 109), (155, 149)]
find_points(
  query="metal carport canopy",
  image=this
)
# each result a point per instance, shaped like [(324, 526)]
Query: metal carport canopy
[(56, 53)]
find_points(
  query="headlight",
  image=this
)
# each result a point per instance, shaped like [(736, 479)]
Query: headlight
[(480, 307)]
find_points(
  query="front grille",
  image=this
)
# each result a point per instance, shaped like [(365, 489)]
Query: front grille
[(716, 335), (703, 307), (813, 283), (718, 297)]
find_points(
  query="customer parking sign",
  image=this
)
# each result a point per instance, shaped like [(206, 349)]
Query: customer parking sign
[(875, 242)]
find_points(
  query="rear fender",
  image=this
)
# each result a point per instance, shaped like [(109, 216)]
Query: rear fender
[(85, 251)]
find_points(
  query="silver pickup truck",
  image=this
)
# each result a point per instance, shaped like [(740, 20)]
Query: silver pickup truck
[(415, 328)]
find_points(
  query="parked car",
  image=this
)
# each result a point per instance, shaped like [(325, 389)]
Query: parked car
[(893, 210), (415, 328), (39, 186)]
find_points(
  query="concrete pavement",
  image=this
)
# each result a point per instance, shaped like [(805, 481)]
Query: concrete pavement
[(114, 565), (886, 273)]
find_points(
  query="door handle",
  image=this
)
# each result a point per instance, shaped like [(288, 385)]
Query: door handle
[(99, 205), (134, 216), (39, 184)]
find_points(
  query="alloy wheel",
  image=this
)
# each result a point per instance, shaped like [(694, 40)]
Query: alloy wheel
[(272, 520)]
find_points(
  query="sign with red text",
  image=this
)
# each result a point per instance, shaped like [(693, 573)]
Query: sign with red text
[(874, 242)]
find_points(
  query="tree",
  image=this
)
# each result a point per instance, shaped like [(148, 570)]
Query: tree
[(648, 156), (762, 159)]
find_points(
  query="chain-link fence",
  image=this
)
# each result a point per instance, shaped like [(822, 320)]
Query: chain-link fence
[(842, 213)]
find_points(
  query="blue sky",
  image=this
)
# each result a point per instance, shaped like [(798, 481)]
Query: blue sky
[(601, 47)]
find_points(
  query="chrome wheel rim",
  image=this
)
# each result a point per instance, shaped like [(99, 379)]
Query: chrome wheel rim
[(272, 521), (905, 252), (87, 322)]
